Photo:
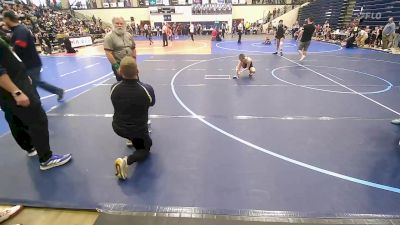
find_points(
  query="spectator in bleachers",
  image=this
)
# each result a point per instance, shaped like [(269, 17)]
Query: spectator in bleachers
[(362, 37), (269, 16), (388, 34), (397, 38), (247, 28), (325, 30), (353, 35), (269, 28), (68, 45), (373, 35), (49, 22), (199, 29), (379, 37), (295, 28)]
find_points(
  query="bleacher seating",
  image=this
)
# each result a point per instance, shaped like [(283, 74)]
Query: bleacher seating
[(323, 10), (378, 11)]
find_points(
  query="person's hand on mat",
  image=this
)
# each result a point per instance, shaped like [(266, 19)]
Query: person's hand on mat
[(22, 100)]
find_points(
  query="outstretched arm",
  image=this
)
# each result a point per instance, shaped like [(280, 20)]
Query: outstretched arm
[(238, 67)]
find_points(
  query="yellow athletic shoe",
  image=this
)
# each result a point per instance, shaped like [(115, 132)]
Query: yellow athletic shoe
[(121, 167)]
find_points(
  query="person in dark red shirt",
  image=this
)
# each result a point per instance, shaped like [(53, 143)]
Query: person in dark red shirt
[(24, 45)]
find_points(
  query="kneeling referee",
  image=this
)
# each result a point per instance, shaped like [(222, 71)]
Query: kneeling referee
[(131, 100)]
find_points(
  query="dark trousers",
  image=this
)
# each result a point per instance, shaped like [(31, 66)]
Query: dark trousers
[(223, 33), (29, 126), (142, 146), (34, 73), (240, 36), (165, 39), (118, 77), (191, 35)]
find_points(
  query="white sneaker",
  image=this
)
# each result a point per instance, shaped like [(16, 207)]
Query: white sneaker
[(396, 121), (121, 168), (129, 143), (32, 152), (302, 57), (9, 212), (149, 126)]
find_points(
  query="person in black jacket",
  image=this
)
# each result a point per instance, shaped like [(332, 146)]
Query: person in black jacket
[(131, 100), (24, 45), (68, 45), (23, 110)]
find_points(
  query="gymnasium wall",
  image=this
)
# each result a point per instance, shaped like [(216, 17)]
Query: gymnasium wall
[(250, 13), (107, 14), (288, 18)]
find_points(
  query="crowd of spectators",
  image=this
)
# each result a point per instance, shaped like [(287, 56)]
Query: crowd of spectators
[(356, 34), (279, 2), (53, 27)]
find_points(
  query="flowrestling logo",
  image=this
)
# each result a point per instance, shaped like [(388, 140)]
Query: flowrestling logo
[(373, 16), (370, 15)]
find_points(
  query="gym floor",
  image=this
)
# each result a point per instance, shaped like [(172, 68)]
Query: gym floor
[(307, 139)]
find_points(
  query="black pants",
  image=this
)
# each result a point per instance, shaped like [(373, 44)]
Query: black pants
[(240, 36), (29, 125), (191, 35), (223, 33), (165, 39), (350, 42), (142, 146), (34, 73), (118, 77)]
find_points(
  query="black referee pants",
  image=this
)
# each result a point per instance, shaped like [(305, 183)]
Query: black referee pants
[(29, 125)]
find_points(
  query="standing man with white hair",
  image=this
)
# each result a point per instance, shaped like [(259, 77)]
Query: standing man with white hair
[(388, 34), (118, 44)]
